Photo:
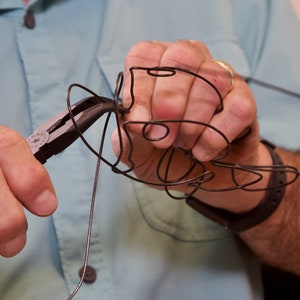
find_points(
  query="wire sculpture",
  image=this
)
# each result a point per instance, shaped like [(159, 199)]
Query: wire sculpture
[(162, 175), (163, 179)]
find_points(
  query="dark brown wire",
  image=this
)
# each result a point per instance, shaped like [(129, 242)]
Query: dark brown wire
[(162, 173)]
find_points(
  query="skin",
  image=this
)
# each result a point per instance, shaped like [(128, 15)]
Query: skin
[(274, 241), (34, 191)]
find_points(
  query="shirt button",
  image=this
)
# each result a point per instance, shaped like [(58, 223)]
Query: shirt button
[(90, 274), (29, 19)]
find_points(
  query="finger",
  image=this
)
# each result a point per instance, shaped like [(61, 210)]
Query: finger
[(13, 224), (238, 114), (171, 93), (146, 55), (13, 247), (27, 179), (205, 100)]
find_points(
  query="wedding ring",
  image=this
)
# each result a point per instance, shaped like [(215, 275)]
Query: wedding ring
[(228, 68)]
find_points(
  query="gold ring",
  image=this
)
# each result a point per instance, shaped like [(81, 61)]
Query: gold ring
[(228, 68)]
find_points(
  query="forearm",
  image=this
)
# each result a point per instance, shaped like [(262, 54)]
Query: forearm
[(276, 240)]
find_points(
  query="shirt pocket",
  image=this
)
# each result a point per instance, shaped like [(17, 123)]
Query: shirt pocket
[(174, 217)]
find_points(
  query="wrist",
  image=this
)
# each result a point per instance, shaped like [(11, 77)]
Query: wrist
[(259, 189), (243, 221)]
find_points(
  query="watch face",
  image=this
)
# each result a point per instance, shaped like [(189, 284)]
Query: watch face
[(37, 140)]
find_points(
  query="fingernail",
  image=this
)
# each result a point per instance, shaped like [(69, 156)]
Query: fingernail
[(46, 203), (200, 153)]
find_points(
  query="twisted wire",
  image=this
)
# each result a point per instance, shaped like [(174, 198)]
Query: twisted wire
[(166, 160), (204, 174)]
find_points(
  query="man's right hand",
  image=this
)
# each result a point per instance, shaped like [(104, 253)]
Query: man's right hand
[(24, 183)]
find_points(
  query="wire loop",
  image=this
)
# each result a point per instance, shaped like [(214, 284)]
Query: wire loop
[(166, 161), (163, 178)]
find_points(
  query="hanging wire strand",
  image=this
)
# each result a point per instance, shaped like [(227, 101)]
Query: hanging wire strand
[(96, 176)]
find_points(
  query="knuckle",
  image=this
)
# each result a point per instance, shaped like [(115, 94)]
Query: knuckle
[(13, 247), (139, 53), (184, 54), (12, 224), (244, 110), (9, 138), (36, 171), (200, 45), (34, 178)]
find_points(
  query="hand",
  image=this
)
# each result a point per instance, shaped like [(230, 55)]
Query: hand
[(183, 97), (24, 183)]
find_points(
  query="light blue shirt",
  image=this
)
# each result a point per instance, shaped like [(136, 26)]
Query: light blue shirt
[(144, 245)]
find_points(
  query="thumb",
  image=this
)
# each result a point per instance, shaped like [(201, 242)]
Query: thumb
[(27, 179)]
